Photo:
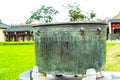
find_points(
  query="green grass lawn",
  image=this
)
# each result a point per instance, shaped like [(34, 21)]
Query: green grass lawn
[(113, 57), (16, 58)]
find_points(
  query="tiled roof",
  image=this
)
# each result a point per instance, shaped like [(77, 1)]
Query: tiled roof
[(117, 16), (4, 26), (114, 20), (18, 29)]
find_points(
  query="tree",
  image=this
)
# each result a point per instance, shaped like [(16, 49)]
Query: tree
[(44, 14), (92, 15), (75, 12)]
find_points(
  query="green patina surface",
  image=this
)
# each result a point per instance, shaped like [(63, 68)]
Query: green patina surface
[(71, 49)]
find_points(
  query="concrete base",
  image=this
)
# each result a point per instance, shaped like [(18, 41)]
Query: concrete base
[(107, 76), (64, 77)]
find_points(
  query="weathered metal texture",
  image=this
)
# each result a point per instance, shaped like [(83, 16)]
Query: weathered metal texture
[(70, 48)]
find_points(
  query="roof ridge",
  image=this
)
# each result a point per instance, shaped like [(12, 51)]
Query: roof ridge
[(15, 25), (117, 16)]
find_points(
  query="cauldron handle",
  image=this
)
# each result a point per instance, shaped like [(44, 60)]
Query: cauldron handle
[(98, 31), (82, 31), (31, 31), (38, 33)]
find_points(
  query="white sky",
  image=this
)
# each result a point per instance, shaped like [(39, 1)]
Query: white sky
[(17, 11)]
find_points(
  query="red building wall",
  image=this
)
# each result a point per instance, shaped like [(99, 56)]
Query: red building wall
[(114, 26)]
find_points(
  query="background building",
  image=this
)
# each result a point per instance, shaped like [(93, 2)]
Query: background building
[(114, 28), (18, 33), (2, 28)]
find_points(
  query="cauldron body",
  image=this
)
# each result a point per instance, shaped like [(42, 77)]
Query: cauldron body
[(70, 48)]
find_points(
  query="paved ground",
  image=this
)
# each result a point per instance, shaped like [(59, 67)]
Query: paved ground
[(113, 41), (107, 76)]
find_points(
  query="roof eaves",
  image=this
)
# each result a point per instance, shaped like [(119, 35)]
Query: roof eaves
[(18, 29)]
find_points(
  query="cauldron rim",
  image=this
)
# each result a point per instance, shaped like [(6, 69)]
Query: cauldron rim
[(68, 23)]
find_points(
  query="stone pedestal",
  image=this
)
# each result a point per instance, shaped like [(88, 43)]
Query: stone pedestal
[(107, 76)]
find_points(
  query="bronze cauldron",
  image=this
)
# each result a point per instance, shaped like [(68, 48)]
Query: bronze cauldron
[(70, 48)]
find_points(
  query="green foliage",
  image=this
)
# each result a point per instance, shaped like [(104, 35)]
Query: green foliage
[(75, 12), (92, 15), (44, 14)]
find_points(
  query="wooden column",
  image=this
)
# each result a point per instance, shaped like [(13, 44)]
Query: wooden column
[(113, 27), (17, 37), (110, 27), (112, 30), (8, 37)]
